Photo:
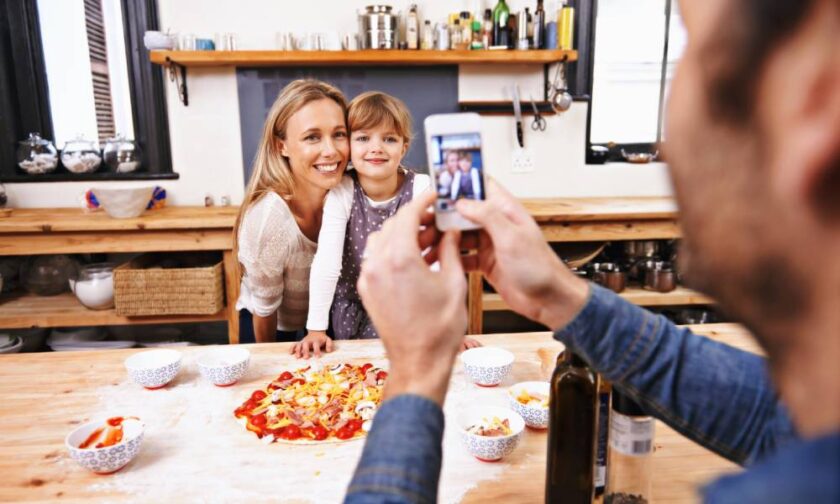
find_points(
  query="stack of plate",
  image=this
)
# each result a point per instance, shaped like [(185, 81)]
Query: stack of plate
[(10, 344), (82, 338)]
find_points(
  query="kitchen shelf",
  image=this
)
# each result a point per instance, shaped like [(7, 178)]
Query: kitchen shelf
[(636, 295), (64, 310), (177, 62), (364, 57)]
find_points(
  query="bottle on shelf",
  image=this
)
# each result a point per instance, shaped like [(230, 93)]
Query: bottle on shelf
[(511, 31), (412, 28), (455, 35), (442, 39), (529, 28), (477, 39), (551, 25), (487, 29), (571, 432), (522, 31), (427, 41), (631, 452), (539, 26), (501, 16), (466, 29), (566, 27)]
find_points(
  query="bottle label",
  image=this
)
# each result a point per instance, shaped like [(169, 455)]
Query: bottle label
[(601, 449), (631, 435)]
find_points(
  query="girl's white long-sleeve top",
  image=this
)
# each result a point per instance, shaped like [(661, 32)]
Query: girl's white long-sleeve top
[(326, 266)]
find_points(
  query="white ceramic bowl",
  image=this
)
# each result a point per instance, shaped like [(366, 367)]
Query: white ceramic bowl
[(154, 368), (490, 449), (535, 417), (487, 366), (123, 202), (109, 459), (224, 366)]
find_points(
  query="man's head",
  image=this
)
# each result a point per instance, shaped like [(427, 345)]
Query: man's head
[(753, 143)]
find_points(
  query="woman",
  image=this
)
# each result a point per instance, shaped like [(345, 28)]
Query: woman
[(302, 155)]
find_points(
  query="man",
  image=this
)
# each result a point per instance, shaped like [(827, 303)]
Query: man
[(754, 152)]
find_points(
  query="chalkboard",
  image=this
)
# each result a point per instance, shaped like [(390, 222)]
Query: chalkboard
[(425, 90)]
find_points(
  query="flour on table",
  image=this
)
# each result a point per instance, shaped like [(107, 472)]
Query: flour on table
[(192, 436)]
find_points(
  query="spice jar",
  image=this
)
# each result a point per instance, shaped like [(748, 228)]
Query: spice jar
[(122, 155), (630, 459), (80, 156), (36, 156)]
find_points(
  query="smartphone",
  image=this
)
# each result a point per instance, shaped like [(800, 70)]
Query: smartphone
[(456, 165)]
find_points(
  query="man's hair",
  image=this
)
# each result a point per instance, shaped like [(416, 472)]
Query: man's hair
[(750, 31)]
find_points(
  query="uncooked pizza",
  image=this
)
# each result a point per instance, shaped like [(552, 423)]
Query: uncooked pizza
[(315, 404)]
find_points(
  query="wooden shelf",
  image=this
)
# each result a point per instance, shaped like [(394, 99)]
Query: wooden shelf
[(636, 295), (365, 57), (64, 310)]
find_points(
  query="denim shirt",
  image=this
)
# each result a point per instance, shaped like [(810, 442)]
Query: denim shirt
[(714, 394)]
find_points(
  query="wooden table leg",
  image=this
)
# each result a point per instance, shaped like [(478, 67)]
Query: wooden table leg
[(231, 266), (475, 306)]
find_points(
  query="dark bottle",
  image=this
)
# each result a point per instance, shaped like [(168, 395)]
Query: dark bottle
[(511, 32), (539, 26), (604, 390), (501, 16), (571, 432)]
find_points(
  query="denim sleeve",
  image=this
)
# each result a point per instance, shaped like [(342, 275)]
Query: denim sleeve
[(712, 393), (402, 456)]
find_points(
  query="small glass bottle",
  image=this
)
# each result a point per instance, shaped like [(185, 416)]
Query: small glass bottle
[(477, 39), (427, 42), (631, 452), (487, 29), (412, 28), (455, 35)]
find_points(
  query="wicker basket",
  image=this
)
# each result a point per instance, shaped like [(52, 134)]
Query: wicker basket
[(143, 288)]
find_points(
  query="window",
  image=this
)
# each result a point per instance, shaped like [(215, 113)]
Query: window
[(636, 47), (79, 68)]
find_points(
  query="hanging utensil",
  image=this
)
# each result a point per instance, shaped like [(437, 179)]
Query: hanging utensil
[(559, 96), (539, 123), (517, 112)]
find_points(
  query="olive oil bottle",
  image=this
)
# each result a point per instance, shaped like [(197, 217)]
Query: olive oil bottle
[(571, 432)]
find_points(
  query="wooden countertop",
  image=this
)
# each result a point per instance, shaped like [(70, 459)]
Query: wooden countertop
[(547, 210), (44, 396), (57, 220)]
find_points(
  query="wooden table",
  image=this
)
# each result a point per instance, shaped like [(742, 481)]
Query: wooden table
[(71, 231), (44, 396)]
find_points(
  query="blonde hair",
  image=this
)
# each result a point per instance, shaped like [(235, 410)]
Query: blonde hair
[(465, 155), (271, 171), (374, 109)]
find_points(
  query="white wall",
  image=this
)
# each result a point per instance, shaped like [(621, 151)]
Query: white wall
[(205, 137)]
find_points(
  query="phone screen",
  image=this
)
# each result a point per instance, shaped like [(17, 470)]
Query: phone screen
[(458, 168)]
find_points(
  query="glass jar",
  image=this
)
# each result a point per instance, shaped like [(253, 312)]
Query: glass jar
[(630, 459), (81, 156), (94, 286), (36, 156), (47, 275), (122, 155)]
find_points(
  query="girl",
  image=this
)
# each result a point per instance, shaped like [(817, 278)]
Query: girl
[(467, 180), (378, 186), (302, 155)]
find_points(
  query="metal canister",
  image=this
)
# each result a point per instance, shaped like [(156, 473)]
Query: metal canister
[(379, 27)]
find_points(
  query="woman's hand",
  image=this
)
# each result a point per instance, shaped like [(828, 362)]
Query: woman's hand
[(470, 343), (313, 342)]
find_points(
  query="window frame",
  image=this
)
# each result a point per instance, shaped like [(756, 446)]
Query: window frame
[(581, 80), (24, 94)]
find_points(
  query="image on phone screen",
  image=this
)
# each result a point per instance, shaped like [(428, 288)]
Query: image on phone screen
[(457, 163)]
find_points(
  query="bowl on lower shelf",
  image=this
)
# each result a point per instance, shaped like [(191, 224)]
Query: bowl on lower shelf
[(153, 369), (224, 366), (123, 202)]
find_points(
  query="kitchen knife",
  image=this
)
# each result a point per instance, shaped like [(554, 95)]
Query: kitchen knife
[(517, 112)]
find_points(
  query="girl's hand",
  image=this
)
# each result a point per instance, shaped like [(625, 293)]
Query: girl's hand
[(313, 342), (470, 343)]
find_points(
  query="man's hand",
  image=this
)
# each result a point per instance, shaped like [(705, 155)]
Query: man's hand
[(312, 343), (515, 258), (420, 315)]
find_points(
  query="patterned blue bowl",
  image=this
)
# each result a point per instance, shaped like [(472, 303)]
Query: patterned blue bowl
[(535, 415), (155, 368), (490, 449), (487, 366), (224, 366), (109, 459)]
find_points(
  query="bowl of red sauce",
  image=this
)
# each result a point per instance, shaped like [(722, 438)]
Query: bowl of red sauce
[(106, 446)]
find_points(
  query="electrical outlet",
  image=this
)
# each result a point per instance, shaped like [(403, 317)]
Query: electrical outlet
[(521, 161)]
